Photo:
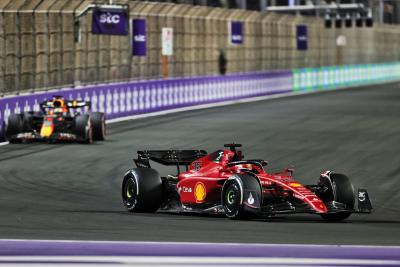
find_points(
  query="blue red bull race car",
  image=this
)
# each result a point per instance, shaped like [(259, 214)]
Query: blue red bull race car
[(58, 120), (223, 182)]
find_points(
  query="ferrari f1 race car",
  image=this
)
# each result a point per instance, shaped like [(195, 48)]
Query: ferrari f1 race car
[(224, 183), (58, 120)]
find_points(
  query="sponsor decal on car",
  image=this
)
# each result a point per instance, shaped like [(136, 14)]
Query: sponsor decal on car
[(250, 200), (196, 165), (186, 189), (220, 154), (200, 192), (266, 183), (361, 196), (295, 185), (298, 196)]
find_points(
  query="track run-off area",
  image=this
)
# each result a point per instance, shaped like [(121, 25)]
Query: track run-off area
[(73, 191)]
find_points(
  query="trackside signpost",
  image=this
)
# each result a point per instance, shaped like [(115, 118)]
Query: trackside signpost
[(167, 48), (236, 32), (302, 37), (111, 22), (167, 41), (139, 37)]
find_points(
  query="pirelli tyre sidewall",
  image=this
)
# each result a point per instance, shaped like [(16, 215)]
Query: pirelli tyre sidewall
[(98, 122), (83, 129), (340, 190), (142, 190), (241, 197)]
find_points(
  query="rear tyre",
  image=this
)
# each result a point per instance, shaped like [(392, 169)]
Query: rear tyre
[(83, 129), (28, 120), (142, 190), (14, 127), (342, 191), (98, 123), (231, 196)]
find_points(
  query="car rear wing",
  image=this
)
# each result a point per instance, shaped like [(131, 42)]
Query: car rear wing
[(69, 103), (168, 157)]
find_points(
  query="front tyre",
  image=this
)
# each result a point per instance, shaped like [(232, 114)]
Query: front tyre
[(142, 190), (14, 127), (341, 190)]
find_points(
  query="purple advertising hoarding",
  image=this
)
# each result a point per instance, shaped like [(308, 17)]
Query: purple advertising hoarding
[(138, 97), (139, 37), (236, 32), (111, 22), (302, 38)]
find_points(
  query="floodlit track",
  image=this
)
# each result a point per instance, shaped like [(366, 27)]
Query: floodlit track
[(71, 191)]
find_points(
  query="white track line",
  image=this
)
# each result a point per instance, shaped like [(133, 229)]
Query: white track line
[(188, 261), (192, 243)]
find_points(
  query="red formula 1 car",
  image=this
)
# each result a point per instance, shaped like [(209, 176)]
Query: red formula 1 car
[(58, 120), (224, 183)]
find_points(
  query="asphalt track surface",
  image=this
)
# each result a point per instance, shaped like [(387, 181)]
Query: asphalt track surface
[(71, 191)]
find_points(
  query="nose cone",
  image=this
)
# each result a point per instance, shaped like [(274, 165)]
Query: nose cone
[(47, 129), (318, 205)]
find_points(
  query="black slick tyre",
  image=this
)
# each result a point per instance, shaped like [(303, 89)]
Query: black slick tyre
[(14, 127), (142, 190), (83, 129), (28, 120), (98, 123), (343, 192)]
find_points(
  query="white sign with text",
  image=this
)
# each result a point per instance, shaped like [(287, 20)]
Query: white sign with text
[(167, 41)]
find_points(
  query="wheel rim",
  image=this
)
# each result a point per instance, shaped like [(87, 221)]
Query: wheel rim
[(129, 193), (230, 197), (232, 200)]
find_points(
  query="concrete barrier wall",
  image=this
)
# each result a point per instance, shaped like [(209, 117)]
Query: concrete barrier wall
[(38, 50), (118, 100), (134, 98)]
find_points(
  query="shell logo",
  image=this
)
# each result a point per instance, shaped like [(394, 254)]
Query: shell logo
[(295, 185), (200, 192)]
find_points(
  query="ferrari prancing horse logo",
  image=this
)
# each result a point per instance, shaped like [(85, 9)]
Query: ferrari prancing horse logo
[(200, 191)]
